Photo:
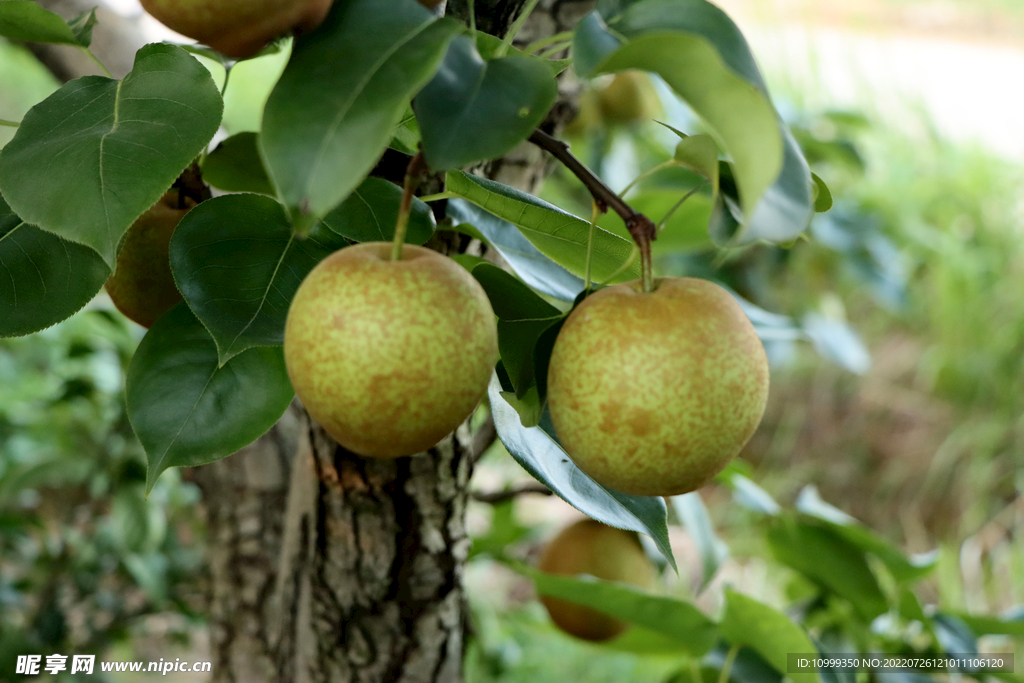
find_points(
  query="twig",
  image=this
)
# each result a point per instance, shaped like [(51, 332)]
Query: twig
[(495, 497), (483, 438), (640, 226)]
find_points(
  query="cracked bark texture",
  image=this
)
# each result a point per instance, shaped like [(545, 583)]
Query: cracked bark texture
[(360, 578), (323, 566)]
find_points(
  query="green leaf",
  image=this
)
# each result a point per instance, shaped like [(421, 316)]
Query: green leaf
[(822, 195), (774, 198), (325, 128), (699, 153), (238, 265), (544, 459), (747, 493), (24, 20), (501, 101), (371, 211), (903, 568), (692, 512), (834, 563), (767, 631), (188, 410), (235, 166), (536, 269), (557, 234), (43, 278), (91, 158), (523, 317), (1011, 624), (692, 631)]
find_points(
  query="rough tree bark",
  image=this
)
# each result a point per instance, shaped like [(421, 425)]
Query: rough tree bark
[(323, 566)]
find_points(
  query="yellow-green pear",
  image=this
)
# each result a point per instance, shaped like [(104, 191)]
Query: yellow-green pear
[(142, 286), (238, 28), (629, 98), (590, 547), (654, 393), (390, 356)]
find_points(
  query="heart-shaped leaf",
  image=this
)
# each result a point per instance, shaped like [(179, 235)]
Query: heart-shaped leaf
[(238, 264), (536, 269), (544, 459), (557, 234), (186, 408), (371, 211), (43, 278), (501, 100), (24, 20), (91, 158), (325, 128), (235, 166)]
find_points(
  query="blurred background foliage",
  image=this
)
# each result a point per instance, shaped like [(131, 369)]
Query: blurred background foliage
[(896, 335)]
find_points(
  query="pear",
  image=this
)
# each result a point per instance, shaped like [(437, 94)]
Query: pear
[(142, 286), (390, 356), (238, 28), (590, 547), (654, 393), (629, 98)]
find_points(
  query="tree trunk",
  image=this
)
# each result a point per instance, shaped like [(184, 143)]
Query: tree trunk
[(324, 566)]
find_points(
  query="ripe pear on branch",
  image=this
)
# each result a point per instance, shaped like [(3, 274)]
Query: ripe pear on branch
[(653, 393), (390, 355)]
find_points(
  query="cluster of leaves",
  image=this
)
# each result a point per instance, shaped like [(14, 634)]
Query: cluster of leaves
[(209, 376), (85, 554), (850, 592)]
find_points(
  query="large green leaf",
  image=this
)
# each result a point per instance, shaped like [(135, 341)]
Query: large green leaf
[(188, 410), (536, 269), (43, 278), (500, 100), (544, 459), (371, 211), (558, 235), (767, 631), (835, 563), (238, 264), (775, 187), (346, 87), (91, 158), (692, 631), (24, 20)]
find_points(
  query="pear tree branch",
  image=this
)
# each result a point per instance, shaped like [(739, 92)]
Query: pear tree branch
[(640, 226)]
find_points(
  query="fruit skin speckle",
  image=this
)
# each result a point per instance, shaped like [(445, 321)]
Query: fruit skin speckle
[(653, 394), (390, 356)]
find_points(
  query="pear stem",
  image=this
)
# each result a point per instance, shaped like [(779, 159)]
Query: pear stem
[(10, 124), (640, 226), (96, 60), (413, 173)]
